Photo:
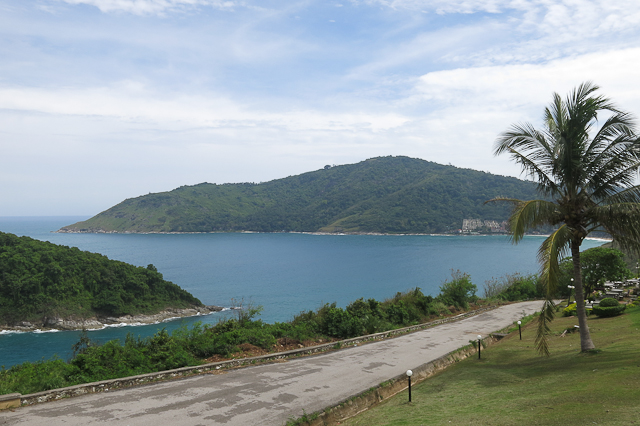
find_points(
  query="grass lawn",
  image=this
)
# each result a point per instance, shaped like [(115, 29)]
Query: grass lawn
[(512, 385)]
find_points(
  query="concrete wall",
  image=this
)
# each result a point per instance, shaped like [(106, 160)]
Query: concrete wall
[(11, 400)]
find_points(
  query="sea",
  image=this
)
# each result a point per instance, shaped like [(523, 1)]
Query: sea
[(284, 273)]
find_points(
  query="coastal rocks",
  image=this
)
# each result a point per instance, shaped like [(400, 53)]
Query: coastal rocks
[(161, 316), (70, 324), (98, 322)]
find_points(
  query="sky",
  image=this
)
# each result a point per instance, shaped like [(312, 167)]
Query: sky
[(103, 100)]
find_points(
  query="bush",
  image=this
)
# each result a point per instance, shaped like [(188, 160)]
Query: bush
[(569, 311), (514, 287), (459, 291), (609, 302), (402, 314), (337, 322), (34, 377), (608, 308), (438, 308)]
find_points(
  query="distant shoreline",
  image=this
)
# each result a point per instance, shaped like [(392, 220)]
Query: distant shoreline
[(61, 231)]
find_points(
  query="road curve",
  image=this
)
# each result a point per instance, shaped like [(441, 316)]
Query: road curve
[(267, 394)]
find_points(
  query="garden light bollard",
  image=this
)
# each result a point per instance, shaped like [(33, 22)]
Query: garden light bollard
[(479, 345), (520, 329), (409, 374)]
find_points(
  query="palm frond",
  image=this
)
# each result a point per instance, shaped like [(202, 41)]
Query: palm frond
[(554, 248), (528, 215), (547, 314), (614, 176), (621, 221), (621, 195), (613, 147), (529, 148), (616, 125)]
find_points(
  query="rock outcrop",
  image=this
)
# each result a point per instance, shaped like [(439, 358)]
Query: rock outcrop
[(98, 322)]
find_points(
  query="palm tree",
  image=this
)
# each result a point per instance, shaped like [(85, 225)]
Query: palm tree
[(586, 177)]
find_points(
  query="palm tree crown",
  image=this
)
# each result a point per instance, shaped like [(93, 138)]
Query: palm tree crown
[(586, 176)]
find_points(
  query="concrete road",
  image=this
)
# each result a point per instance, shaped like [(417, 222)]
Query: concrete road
[(267, 394)]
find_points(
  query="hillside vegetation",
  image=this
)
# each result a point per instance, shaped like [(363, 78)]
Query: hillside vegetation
[(385, 195), (40, 280)]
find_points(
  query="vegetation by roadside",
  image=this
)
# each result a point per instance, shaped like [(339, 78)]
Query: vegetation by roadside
[(513, 385), (238, 337)]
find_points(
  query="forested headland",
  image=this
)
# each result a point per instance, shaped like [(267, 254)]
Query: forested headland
[(380, 195), (41, 282)]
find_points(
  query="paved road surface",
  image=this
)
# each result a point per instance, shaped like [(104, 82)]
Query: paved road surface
[(267, 394)]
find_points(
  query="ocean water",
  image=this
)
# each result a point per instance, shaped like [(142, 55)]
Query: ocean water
[(284, 273)]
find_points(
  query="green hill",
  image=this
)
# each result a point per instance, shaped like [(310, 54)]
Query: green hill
[(385, 195), (40, 281)]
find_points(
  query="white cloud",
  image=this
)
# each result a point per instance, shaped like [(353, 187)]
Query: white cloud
[(129, 102), (152, 7), (505, 87), (534, 30)]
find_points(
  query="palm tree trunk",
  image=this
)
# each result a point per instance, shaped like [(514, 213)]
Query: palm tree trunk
[(586, 344)]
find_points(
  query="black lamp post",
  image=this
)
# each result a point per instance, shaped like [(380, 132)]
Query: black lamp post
[(520, 329), (409, 374), (479, 345)]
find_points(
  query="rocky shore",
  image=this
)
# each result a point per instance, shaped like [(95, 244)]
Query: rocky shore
[(98, 322)]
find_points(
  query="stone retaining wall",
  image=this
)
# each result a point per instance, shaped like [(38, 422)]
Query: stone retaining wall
[(108, 385)]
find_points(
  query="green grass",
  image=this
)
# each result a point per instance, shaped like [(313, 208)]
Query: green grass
[(512, 385)]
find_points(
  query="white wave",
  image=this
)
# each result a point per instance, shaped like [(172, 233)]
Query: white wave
[(53, 330), (126, 324), (3, 332)]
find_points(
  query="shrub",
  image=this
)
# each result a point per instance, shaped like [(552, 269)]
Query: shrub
[(609, 302), (459, 291), (376, 325), (401, 313), (513, 287), (569, 311), (337, 322), (257, 337), (438, 308), (608, 308), (360, 308)]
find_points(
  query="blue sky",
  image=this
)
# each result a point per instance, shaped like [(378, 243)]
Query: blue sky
[(102, 100)]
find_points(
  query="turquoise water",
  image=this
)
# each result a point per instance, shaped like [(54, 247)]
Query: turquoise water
[(284, 273)]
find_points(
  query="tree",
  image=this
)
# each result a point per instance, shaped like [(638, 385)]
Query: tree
[(598, 264), (586, 177)]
